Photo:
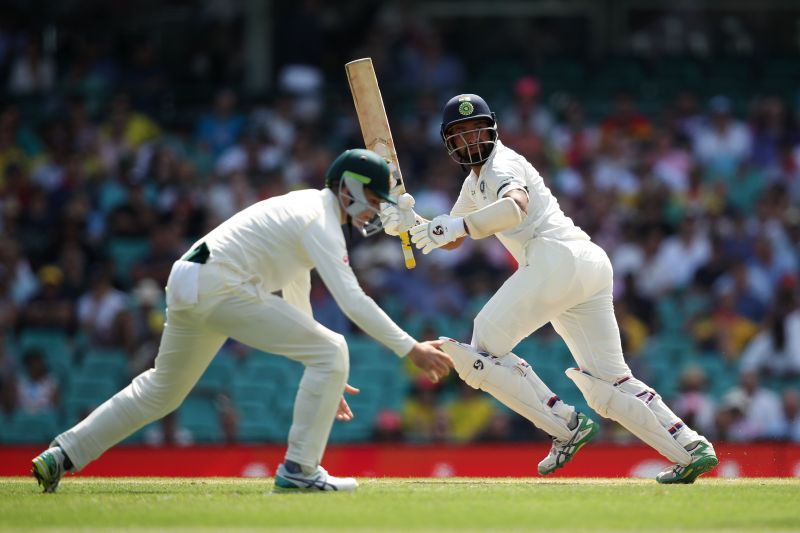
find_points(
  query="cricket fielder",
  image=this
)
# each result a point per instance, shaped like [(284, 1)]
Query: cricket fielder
[(563, 278), (223, 287)]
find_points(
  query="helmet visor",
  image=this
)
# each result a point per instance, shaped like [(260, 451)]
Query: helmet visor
[(471, 147)]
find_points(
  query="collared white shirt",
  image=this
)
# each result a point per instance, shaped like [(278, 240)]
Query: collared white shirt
[(505, 171)]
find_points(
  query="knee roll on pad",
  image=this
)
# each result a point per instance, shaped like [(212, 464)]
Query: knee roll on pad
[(472, 366), (633, 413)]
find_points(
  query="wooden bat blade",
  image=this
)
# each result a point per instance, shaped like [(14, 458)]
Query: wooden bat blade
[(376, 132), (372, 117)]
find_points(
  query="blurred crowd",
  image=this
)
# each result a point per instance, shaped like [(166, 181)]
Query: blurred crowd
[(697, 204)]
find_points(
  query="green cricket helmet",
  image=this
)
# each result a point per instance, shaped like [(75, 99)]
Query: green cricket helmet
[(359, 169)]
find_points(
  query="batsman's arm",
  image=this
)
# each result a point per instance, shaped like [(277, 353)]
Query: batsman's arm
[(453, 245)]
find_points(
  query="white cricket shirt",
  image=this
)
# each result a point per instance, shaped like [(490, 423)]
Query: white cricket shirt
[(505, 171), (276, 243)]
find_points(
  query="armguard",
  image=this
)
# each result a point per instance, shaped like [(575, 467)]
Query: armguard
[(499, 216)]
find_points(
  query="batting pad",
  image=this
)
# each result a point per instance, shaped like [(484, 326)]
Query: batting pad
[(509, 379), (623, 407)]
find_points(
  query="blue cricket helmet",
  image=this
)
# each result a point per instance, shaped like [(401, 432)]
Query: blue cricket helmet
[(462, 108)]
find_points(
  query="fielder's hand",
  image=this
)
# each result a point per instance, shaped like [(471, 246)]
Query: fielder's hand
[(344, 412), (400, 218), (438, 232), (428, 357)]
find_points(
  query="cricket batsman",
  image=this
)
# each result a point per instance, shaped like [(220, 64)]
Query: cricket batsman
[(563, 278), (223, 287)]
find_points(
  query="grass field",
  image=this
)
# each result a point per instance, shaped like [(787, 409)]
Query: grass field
[(456, 504)]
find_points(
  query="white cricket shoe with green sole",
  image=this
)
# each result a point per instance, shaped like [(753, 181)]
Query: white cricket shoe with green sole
[(561, 451), (703, 460), (48, 468)]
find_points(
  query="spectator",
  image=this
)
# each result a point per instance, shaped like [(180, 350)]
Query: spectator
[(672, 161), (693, 404), (32, 72), (626, 121), (746, 289), (723, 143), (14, 266), (102, 311), (682, 255), (125, 131), (221, 129), (147, 322), (771, 127), (37, 388), (388, 427), (527, 114), (428, 66), (775, 350), (469, 414), (758, 412), (791, 413), (50, 307), (255, 156), (423, 420), (613, 169), (8, 391), (633, 331), (725, 330)]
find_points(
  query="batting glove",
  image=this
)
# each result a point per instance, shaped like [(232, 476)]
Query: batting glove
[(438, 232), (400, 218)]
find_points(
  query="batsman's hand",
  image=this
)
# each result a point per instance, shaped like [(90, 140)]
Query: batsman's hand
[(438, 232), (400, 218), (343, 412), (429, 358)]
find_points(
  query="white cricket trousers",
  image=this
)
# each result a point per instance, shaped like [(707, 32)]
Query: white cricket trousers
[(569, 284), (192, 337)]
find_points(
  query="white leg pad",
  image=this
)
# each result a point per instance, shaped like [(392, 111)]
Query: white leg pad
[(509, 379), (623, 407)]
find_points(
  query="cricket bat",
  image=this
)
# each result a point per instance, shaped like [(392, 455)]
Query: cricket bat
[(375, 129)]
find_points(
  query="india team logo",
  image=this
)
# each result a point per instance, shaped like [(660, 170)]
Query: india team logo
[(466, 108)]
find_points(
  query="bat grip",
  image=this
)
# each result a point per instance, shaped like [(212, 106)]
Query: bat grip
[(408, 252)]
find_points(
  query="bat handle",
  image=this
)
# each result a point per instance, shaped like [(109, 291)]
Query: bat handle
[(408, 252)]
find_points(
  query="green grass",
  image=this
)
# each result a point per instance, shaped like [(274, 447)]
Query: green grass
[(456, 504)]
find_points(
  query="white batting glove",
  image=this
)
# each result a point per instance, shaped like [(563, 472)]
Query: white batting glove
[(400, 218), (438, 232)]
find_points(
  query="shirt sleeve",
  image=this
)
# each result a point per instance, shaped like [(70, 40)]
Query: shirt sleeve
[(464, 203), (506, 177), (328, 252), (298, 292)]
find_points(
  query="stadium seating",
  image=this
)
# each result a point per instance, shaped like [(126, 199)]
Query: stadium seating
[(198, 414), (85, 394), (109, 364), (27, 428), (126, 252)]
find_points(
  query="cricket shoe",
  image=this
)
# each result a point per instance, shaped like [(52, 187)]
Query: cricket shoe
[(318, 480), (562, 450), (703, 460), (48, 467)]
